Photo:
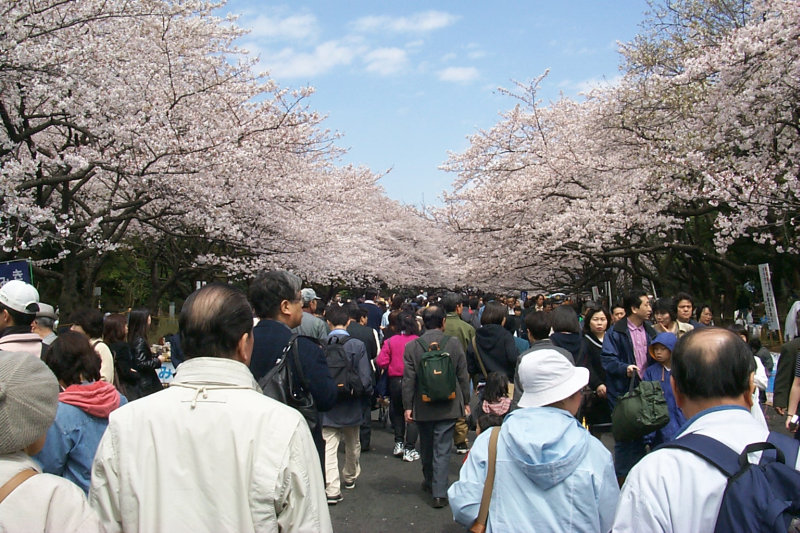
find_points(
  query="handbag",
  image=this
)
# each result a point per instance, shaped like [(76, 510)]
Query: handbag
[(279, 384), (479, 526), (639, 412)]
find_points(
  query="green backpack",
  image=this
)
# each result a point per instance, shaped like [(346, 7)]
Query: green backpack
[(437, 375)]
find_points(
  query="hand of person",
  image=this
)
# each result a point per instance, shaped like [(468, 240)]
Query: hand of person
[(407, 416), (631, 369), (791, 426), (601, 391), (780, 410), (467, 410)]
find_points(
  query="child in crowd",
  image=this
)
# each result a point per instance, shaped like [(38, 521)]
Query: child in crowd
[(659, 370), (491, 403)]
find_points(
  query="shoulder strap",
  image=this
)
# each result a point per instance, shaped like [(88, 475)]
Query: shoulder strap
[(291, 346), (425, 347), (479, 358), (787, 445), (479, 526), (15, 482), (712, 450)]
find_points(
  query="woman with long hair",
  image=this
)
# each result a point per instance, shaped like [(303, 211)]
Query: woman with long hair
[(115, 332), (145, 362), (84, 404), (596, 322), (391, 359)]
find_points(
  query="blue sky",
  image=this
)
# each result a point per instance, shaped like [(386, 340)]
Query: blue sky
[(406, 82)]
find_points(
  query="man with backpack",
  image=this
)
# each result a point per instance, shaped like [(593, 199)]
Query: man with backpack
[(435, 395), (351, 372), (684, 484), (277, 302)]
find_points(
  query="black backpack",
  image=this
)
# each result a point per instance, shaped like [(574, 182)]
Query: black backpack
[(763, 497), (342, 369)]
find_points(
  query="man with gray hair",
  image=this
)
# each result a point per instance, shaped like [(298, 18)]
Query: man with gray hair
[(310, 324), (44, 323), (276, 300), (245, 461)]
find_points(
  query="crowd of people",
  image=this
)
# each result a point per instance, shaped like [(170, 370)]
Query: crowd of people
[(92, 441)]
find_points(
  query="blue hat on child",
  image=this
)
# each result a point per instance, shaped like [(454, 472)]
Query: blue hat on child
[(667, 339)]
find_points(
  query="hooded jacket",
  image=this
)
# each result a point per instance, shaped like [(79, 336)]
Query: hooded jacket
[(551, 475), (73, 438), (497, 351)]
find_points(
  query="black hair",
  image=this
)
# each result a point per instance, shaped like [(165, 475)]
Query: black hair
[(337, 315), (666, 305), (683, 296), (496, 387), (565, 319), (20, 319), (72, 359), (370, 294), (538, 324), (494, 313), (632, 301), (587, 318), (433, 317), (90, 320), (137, 324), (712, 363), (699, 310), (407, 323), (473, 302), (269, 289), (213, 320), (450, 301)]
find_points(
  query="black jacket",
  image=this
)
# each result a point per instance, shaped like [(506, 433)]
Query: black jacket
[(497, 350), (145, 364)]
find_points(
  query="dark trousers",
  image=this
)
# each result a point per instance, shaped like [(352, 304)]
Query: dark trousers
[(405, 433), (627, 454), (365, 431), (436, 442)]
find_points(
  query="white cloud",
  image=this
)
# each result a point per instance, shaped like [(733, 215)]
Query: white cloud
[(596, 83), (386, 61), (474, 51), (416, 23), (448, 57), (294, 27), (459, 74), (290, 63)]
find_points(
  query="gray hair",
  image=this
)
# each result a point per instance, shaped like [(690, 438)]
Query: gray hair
[(269, 289)]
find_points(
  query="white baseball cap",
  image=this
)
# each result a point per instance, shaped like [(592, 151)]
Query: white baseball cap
[(20, 296), (547, 377)]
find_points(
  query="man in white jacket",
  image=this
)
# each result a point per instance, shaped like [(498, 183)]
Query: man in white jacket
[(673, 489), (211, 452)]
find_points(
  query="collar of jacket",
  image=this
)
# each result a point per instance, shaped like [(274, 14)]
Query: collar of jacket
[(215, 371)]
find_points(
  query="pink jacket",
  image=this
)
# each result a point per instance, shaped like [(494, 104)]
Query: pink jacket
[(22, 342), (391, 355)]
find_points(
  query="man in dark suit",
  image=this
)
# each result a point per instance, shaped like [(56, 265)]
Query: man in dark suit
[(784, 375), (277, 302), (374, 313)]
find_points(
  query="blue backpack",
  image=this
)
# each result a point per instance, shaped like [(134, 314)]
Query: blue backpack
[(763, 497)]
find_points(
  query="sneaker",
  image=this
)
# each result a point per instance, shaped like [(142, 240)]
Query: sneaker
[(411, 455), (398, 449), (350, 485), (333, 500), (462, 449)]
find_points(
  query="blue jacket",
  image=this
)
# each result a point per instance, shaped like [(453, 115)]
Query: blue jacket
[(551, 475), (269, 339), (657, 372), (618, 355), (71, 444), (350, 411)]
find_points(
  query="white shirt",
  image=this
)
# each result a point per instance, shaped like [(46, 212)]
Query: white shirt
[(675, 490), (210, 453)]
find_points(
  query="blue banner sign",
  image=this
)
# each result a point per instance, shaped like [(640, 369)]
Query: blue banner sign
[(20, 270)]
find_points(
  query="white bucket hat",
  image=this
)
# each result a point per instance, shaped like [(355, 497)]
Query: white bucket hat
[(547, 377)]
